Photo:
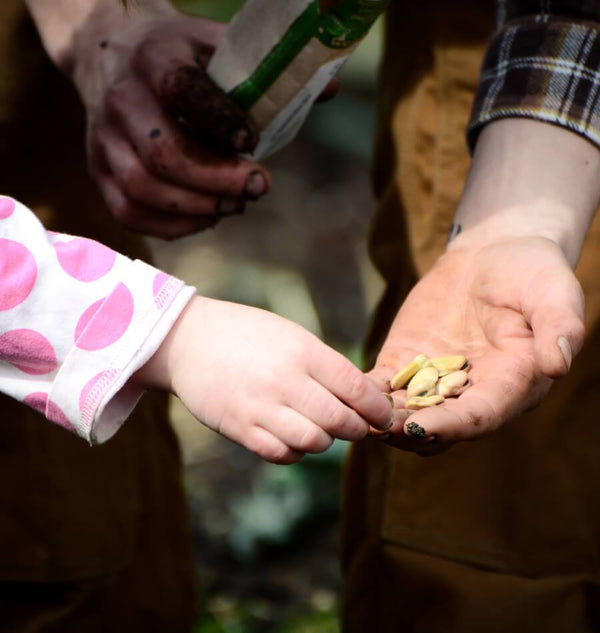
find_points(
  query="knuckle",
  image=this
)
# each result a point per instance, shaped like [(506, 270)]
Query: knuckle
[(356, 383), (314, 440), (269, 448), (338, 423), (115, 98), (123, 213), (143, 55), (133, 181), (159, 157), (282, 455)]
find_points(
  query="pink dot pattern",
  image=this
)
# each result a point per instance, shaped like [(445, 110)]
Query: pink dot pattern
[(162, 287), (84, 259), (7, 207), (18, 272), (105, 321), (76, 319), (40, 402), (159, 281), (88, 396), (29, 351)]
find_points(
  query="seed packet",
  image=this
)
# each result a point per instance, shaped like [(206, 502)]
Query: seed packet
[(277, 56)]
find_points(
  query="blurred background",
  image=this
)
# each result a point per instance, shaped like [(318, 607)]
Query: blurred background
[(266, 536)]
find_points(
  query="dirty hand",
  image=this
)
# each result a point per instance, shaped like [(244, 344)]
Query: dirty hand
[(504, 294), (163, 140), (514, 309), (264, 382)]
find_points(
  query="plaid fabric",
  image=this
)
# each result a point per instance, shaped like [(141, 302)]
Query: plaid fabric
[(543, 63)]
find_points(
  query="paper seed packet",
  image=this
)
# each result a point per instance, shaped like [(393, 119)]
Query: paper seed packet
[(277, 56)]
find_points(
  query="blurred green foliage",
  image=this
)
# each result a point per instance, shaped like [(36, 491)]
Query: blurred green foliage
[(285, 500), (318, 622)]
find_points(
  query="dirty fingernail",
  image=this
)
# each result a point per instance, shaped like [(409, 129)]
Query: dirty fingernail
[(256, 185), (389, 399), (230, 206), (566, 351), (415, 430)]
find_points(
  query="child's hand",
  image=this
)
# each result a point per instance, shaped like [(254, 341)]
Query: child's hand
[(264, 382)]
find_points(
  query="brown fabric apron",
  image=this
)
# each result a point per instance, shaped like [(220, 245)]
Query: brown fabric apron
[(498, 535), (105, 527)]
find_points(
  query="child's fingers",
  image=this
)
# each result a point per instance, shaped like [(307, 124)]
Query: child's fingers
[(266, 445), (355, 389), (336, 418), (298, 432)]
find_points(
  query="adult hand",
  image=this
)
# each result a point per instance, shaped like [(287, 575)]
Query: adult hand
[(504, 293), (164, 142), (514, 309)]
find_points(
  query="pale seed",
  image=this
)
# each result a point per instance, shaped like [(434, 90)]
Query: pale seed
[(423, 382), (447, 364), (452, 384), (406, 373), (419, 402)]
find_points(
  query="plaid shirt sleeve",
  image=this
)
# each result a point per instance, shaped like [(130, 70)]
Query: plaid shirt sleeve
[(542, 63)]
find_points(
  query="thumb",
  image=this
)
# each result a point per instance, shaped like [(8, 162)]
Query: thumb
[(555, 313)]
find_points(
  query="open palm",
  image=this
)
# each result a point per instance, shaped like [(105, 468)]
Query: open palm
[(514, 309)]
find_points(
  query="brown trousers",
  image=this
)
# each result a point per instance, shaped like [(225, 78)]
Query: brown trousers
[(497, 535), (91, 539)]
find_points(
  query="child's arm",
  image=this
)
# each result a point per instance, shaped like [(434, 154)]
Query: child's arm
[(77, 320)]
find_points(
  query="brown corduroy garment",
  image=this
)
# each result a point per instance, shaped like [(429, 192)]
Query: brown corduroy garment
[(91, 539), (498, 535)]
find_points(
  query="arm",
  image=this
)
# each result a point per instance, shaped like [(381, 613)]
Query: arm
[(167, 163), (77, 320), (84, 331), (511, 301), (513, 304)]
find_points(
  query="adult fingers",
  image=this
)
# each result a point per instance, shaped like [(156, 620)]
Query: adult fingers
[(190, 97), (168, 156), (481, 409), (554, 309), (143, 188), (381, 376), (330, 91), (145, 220)]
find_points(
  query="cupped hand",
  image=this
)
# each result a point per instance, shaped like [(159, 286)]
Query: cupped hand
[(264, 382), (164, 142), (514, 309)]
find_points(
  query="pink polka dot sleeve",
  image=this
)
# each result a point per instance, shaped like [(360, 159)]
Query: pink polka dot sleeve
[(76, 321)]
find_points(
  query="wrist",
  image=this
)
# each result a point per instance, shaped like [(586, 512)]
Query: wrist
[(160, 370), (542, 218), (529, 179), (70, 29)]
